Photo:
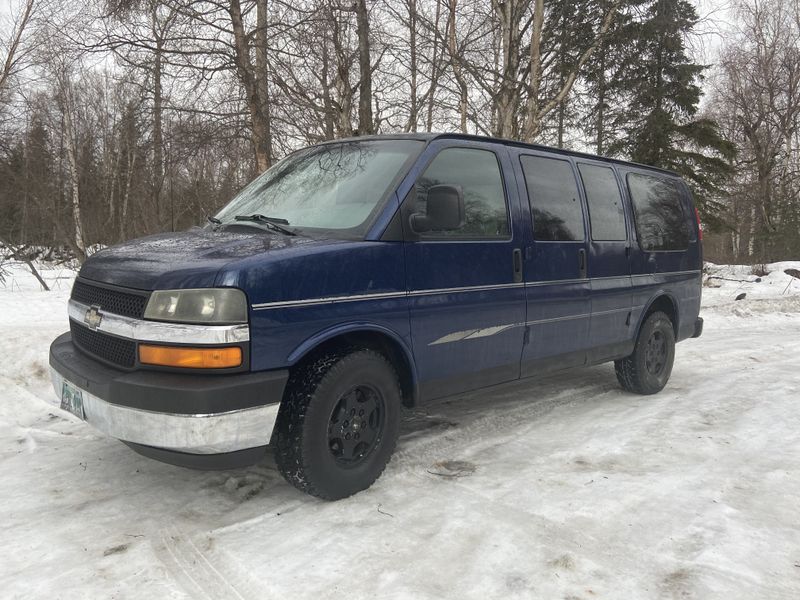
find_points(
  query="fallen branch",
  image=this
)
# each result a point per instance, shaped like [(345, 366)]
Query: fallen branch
[(21, 254), (756, 280), (36, 274)]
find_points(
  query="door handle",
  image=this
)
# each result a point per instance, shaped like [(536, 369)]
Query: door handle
[(582, 263), (517, 260)]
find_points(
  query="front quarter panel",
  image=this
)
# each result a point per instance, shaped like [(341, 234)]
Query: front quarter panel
[(307, 294)]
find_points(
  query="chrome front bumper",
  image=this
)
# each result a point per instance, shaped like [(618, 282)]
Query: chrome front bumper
[(214, 433)]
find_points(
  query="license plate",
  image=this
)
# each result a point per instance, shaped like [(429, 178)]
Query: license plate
[(72, 400)]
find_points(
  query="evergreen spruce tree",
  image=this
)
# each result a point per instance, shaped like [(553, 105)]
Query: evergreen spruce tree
[(569, 29), (606, 78), (662, 88), (39, 195), (12, 172)]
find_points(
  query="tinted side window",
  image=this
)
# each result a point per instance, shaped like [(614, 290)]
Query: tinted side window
[(554, 199), (606, 214), (657, 208), (478, 174)]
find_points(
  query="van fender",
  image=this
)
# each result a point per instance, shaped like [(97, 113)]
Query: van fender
[(358, 327), (656, 295)]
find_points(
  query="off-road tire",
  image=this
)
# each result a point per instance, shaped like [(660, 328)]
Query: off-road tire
[(632, 371), (300, 437)]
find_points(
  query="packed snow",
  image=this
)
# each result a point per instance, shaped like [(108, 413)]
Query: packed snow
[(566, 487)]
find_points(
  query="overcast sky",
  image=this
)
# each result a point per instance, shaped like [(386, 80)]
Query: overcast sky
[(715, 21), (715, 12)]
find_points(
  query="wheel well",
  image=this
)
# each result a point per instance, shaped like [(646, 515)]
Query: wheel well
[(666, 305), (378, 342)]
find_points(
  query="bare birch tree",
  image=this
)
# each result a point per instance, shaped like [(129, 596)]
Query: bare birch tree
[(15, 49)]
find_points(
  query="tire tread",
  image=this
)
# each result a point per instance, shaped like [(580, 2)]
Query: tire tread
[(287, 438), (629, 370)]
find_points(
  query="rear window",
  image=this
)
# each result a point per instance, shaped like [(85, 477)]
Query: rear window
[(554, 200), (657, 207), (606, 214)]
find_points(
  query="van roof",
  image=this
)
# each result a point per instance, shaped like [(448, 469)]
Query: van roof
[(428, 137)]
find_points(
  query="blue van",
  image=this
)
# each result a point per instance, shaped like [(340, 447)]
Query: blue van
[(359, 276)]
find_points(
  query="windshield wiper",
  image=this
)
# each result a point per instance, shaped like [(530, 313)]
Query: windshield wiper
[(215, 222), (273, 223)]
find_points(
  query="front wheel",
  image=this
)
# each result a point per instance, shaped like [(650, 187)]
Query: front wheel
[(647, 369), (338, 424)]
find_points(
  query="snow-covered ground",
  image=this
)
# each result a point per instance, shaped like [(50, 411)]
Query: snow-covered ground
[(561, 488)]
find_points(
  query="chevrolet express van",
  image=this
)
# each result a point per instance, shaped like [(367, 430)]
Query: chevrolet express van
[(359, 276)]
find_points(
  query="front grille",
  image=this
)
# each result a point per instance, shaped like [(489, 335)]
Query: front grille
[(117, 351), (110, 300)]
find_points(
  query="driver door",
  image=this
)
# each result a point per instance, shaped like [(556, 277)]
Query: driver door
[(465, 285)]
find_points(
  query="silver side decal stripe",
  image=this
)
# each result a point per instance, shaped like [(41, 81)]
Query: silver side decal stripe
[(156, 331), (471, 334), (432, 292)]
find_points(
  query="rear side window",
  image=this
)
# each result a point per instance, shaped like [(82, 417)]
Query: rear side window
[(554, 200), (478, 174), (606, 214), (657, 206)]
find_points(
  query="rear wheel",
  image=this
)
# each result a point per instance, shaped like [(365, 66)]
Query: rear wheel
[(338, 424), (647, 369)]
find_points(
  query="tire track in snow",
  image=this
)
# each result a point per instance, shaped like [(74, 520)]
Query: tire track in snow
[(501, 412), (194, 570)]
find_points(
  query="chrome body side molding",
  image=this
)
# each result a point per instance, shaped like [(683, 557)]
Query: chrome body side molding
[(432, 292)]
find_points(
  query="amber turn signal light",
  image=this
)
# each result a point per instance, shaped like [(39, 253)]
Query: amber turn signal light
[(191, 358)]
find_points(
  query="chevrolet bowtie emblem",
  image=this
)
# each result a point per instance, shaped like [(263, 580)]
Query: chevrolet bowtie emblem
[(93, 317)]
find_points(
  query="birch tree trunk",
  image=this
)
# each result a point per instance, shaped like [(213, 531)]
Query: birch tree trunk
[(455, 60), (158, 137), (247, 74), (126, 194), (537, 110), (507, 98), (344, 90), (600, 121), (11, 63), (327, 101), (262, 76), (413, 109), (435, 69), (72, 163), (366, 125)]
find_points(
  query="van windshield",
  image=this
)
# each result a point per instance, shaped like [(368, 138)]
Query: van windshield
[(335, 189)]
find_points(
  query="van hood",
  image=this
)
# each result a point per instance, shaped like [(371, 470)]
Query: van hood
[(184, 259)]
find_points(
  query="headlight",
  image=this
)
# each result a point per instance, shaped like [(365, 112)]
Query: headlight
[(225, 305)]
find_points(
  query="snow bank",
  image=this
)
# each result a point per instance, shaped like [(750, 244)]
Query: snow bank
[(722, 283)]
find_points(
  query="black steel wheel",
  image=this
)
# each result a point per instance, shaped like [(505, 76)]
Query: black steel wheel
[(655, 353), (356, 425), (647, 369), (338, 423)]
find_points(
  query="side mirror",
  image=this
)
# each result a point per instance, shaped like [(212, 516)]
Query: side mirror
[(445, 210)]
